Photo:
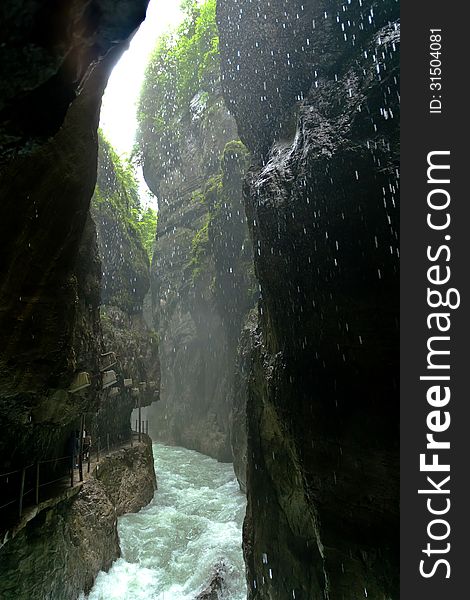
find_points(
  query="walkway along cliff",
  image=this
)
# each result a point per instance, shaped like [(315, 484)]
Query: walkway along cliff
[(59, 551)]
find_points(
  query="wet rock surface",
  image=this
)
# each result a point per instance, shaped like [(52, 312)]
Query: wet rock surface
[(202, 272), (128, 477), (215, 589), (48, 51), (203, 285), (322, 480), (124, 260), (194, 410), (55, 60), (55, 64), (239, 399), (50, 293), (65, 547), (124, 286)]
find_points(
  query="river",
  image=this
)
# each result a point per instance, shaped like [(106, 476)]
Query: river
[(170, 547)]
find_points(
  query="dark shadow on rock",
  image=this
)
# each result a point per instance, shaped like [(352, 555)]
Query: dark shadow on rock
[(215, 589)]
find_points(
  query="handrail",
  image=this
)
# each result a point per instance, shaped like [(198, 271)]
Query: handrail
[(50, 460), (20, 481), (8, 503), (10, 473), (50, 482), (41, 462)]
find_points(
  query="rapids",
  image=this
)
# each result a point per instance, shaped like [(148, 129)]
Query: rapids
[(170, 547)]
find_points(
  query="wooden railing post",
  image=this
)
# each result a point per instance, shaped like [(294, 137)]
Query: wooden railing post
[(20, 508), (98, 450), (72, 467), (107, 440), (80, 447), (140, 419), (37, 484)]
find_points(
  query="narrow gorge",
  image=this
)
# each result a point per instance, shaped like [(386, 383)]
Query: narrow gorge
[(203, 283), (199, 381)]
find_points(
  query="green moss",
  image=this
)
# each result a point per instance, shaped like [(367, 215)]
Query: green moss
[(183, 64), (117, 192), (201, 240), (200, 250), (235, 160), (235, 149), (212, 192), (147, 228), (215, 196), (198, 196), (117, 177)]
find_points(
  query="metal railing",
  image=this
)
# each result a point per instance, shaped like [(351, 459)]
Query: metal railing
[(24, 485)]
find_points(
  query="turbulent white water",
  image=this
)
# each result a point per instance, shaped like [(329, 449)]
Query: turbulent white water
[(170, 548)]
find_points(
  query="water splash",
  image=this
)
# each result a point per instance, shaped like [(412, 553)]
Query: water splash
[(169, 548)]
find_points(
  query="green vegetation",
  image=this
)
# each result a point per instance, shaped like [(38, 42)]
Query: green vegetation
[(183, 64), (201, 242), (200, 250), (123, 173), (181, 93), (236, 157), (147, 227), (219, 198), (117, 190)]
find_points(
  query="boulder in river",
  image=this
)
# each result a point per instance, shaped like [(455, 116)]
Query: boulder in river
[(217, 584)]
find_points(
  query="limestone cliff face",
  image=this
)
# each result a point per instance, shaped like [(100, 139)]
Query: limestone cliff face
[(202, 276), (60, 552), (128, 477), (125, 283), (55, 60), (49, 49), (125, 263), (314, 89), (65, 547), (240, 391), (202, 280)]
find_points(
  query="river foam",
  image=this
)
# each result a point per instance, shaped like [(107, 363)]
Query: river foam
[(170, 547)]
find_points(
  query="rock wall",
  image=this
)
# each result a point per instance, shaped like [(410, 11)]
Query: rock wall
[(124, 260), (60, 552), (48, 52), (125, 284), (203, 282), (55, 60), (128, 477), (136, 347), (314, 90), (201, 287)]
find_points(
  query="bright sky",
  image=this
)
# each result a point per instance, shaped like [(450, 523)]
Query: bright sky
[(118, 112)]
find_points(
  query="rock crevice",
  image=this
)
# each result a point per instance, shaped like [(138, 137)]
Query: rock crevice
[(203, 283)]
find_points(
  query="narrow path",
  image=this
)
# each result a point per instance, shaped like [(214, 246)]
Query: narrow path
[(55, 492)]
